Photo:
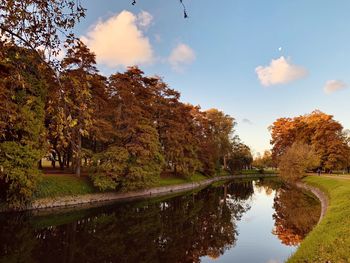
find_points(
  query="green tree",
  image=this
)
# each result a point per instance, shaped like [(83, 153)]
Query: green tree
[(240, 158), (221, 129), (146, 160), (109, 168), (22, 130), (297, 160), (135, 134), (263, 162)]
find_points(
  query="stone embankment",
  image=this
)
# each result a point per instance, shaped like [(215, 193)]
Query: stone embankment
[(319, 194), (93, 199)]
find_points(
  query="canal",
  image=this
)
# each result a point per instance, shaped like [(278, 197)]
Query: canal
[(239, 221)]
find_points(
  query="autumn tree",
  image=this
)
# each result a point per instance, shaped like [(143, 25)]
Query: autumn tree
[(22, 132), (39, 24), (297, 160), (70, 109), (136, 140), (79, 68), (136, 165), (264, 161), (240, 158), (173, 121), (178, 139), (102, 129), (153, 100), (317, 129), (221, 128)]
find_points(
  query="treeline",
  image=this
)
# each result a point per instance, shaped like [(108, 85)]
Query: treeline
[(127, 128), (313, 141)]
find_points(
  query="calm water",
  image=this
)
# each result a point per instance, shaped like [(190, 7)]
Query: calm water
[(242, 221)]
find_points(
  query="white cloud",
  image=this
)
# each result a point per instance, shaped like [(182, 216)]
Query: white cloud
[(181, 56), (333, 86), (280, 71), (247, 121), (144, 19), (120, 40)]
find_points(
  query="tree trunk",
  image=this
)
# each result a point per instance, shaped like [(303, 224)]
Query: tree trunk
[(60, 161), (78, 157), (53, 159), (225, 162), (225, 192), (53, 163), (64, 159), (69, 157)]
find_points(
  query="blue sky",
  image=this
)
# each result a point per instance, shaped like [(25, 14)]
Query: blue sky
[(211, 58)]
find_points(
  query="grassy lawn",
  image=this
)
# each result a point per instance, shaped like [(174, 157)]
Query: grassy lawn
[(178, 180), (63, 185), (330, 240), (57, 185), (254, 171)]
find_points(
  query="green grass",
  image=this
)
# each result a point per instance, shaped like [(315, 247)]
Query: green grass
[(180, 180), (51, 186), (254, 171), (223, 173), (330, 240), (63, 185)]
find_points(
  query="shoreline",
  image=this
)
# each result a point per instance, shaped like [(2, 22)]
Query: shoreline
[(329, 239), (100, 199), (320, 195)]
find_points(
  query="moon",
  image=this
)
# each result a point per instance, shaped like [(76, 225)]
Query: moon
[(280, 49)]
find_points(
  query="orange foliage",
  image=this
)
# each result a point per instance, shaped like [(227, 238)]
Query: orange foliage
[(317, 129)]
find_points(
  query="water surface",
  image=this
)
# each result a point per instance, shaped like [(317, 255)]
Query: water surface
[(241, 221)]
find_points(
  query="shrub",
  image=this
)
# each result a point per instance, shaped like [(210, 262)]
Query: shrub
[(133, 166), (297, 160), (109, 167), (18, 173)]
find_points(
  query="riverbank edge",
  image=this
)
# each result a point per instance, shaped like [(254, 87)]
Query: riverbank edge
[(97, 199), (325, 201), (319, 194)]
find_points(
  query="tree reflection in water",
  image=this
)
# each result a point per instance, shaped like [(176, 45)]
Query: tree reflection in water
[(178, 229), (296, 213)]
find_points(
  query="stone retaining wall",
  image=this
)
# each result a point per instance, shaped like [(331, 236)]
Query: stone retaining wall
[(319, 194), (103, 198), (107, 197)]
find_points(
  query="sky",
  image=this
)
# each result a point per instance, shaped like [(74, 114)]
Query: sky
[(255, 60)]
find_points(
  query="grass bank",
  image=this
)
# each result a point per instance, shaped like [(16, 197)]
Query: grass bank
[(330, 240), (51, 186), (257, 172)]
